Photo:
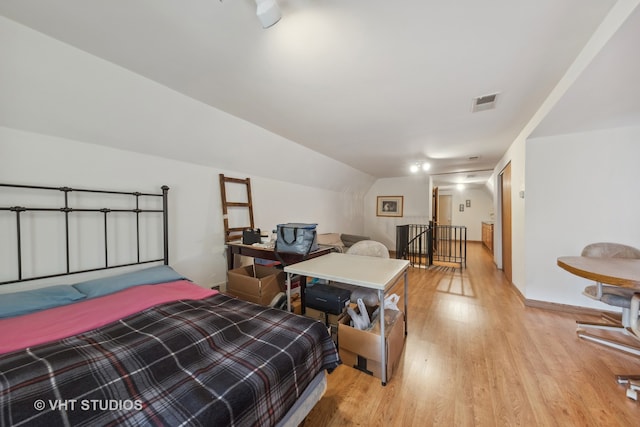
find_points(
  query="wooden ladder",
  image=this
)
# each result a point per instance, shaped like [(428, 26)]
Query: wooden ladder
[(235, 233)]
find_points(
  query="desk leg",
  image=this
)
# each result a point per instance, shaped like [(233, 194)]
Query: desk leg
[(303, 285), (230, 257), (289, 292), (383, 347), (303, 289)]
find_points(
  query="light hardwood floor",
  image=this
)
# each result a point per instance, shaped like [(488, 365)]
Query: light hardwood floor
[(476, 356)]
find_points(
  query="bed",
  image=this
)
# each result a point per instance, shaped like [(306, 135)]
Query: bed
[(150, 347)]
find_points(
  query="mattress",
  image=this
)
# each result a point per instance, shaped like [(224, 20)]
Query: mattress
[(164, 354)]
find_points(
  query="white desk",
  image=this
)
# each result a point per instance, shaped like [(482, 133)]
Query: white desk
[(380, 274)]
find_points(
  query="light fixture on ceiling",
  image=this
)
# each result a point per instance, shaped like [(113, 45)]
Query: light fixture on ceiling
[(268, 12), (414, 168)]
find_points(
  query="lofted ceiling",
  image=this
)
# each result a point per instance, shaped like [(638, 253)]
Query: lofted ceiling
[(377, 85)]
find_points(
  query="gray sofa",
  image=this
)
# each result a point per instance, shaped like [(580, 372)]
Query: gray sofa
[(339, 242)]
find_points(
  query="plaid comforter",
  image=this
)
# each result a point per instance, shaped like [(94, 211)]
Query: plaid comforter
[(217, 362)]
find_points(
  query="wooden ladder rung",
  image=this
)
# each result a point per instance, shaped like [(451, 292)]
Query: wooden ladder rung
[(236, 180)]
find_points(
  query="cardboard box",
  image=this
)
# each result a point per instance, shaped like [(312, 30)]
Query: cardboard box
[(316, 314), (361, 349), (296, 304), (334, 319), (331, 321), (326, 318), (257, 284), (333, 331)]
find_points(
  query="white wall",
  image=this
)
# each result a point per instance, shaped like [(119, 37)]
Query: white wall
[(417, 196), (581, 188), (195, 211)]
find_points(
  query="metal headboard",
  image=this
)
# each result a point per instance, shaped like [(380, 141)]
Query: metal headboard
[(66, 210)]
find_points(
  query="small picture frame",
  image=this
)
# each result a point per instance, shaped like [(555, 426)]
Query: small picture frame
[(468, 203), (461, 207), (389, 206)]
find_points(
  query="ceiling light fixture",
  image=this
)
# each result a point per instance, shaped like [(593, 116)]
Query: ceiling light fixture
[(268, 12), (414, 168)]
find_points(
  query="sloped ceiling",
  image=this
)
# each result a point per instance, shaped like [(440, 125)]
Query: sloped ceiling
[(607, 93), (376, 85)]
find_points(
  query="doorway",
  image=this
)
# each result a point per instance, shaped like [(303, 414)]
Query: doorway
[(505, 210)]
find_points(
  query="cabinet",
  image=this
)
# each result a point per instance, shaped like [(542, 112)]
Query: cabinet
[(487, 235)]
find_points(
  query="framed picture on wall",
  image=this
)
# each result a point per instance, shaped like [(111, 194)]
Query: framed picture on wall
[(389, 206)]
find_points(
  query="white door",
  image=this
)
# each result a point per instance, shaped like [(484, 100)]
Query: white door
[(444, 209)]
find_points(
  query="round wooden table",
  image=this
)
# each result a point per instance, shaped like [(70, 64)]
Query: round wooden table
[(612, 271)]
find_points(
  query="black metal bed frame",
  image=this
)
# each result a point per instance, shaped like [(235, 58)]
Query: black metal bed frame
[(66, 210)]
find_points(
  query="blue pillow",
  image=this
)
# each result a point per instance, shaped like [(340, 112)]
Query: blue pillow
[(108, 285), (30, 301)]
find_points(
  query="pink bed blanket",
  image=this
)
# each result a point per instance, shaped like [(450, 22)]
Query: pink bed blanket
[(61, 322)]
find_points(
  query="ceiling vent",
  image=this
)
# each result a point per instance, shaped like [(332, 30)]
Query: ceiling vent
[(486, 102)]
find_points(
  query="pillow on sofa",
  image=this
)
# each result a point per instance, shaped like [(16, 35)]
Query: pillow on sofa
[(330, 239)]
